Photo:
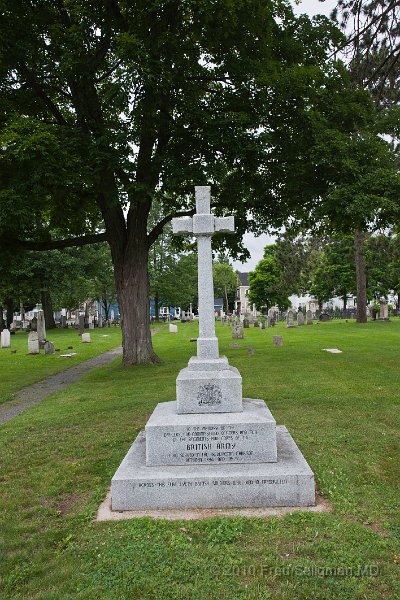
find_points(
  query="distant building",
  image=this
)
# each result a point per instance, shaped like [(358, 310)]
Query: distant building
[(242, 301)]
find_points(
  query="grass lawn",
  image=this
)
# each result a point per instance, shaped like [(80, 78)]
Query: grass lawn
[(57, 460), (21, 369)]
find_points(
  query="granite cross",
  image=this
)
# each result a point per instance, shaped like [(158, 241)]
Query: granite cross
[(203, 225)]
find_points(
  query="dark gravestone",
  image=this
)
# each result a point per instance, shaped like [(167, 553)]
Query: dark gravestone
[(324, 317)]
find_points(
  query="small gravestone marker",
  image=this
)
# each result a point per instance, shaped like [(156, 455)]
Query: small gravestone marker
[(173, 328), (49, 348), (323, 317), (86, 338), (91, 325), (256, 324), (246, 323), (263, 324), (234, 346), (13, 352), (290, 318), (332, 350), (68, 355), (63, 321), (250, 351), (33, 343), (309, 320), (300, 318), (277, 340), (5, 339)]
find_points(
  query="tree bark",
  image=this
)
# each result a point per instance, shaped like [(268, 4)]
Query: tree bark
[(1, 319), (344, 301), (132, 283), (360, 276), (47, 306)]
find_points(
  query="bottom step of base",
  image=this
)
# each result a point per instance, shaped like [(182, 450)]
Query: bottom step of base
[(288, 482)]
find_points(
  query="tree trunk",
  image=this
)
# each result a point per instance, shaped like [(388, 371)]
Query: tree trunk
[(156, 306), (1, 319), (47, 306), (360, 276), (10, 312), (344, 301), (132, 283)]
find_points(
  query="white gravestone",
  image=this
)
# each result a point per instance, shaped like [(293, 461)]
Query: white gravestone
[(5, 339), (290, 318), (211, 448), (86, 338), (300, 318), (383, 311), (33, 343), (173, 328)]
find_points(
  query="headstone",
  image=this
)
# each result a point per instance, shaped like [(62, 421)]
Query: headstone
[(324, 317), (13, 327), (91, 325), (63, 321), (250, 351), (100, 321), (34, 324), (237, 331), (290, 318), (309, 317), (263, 324), (300, 318), (49, 348), (5, 339), (246, 323), (86, 338), (81, 324), (383, 311), (211, 448), (277, 340), (173, 328), (256, 324), (41, 325), (33, 343)]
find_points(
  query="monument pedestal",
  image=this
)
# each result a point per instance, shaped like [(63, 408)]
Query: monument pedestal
[(287, 482), (211, 448)]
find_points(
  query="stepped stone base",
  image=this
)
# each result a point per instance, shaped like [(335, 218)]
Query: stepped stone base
[(211, 438), (288, 482)]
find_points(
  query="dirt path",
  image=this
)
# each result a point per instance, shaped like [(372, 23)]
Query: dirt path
[(36, 392)]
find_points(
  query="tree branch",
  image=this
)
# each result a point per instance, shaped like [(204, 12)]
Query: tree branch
[(55, 244), (32, 81), (157, 230)]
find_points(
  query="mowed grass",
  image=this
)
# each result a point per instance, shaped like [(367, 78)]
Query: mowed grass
[(57, 460), (21, 369)]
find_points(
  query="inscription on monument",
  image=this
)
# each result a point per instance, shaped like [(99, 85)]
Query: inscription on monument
[(212, 444)]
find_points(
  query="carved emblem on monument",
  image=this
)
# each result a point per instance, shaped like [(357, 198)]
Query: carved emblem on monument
[(209, 394)]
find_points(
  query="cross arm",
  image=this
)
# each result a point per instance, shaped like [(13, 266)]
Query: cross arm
[(225, 224), (182, 225)]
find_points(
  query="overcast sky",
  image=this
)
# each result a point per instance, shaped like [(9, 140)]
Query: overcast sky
[(253, 244)]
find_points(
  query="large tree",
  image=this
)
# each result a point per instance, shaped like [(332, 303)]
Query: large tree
[(108, 106)]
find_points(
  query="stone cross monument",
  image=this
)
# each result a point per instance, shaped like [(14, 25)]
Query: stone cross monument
[(210, 448), (223, 392)]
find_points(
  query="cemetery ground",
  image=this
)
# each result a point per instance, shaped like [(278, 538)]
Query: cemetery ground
[(57, 460)]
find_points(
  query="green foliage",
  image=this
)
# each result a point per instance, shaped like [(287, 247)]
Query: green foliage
[(225, 283), (335, 272), (266, 282)]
